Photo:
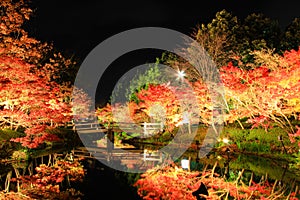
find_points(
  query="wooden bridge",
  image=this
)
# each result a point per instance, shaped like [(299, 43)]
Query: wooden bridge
[(92, 131), (145, 128)]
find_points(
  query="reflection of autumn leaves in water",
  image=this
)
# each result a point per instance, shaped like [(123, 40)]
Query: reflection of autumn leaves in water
[(172, 182), (49, 182)]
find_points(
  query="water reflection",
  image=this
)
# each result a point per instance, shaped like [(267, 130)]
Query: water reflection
[(232, 167), (229, 165), (12, 170), (126, 159)]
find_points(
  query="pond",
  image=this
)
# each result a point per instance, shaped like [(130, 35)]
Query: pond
[(102, 181)]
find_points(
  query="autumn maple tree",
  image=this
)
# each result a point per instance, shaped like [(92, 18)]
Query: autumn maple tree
[(30, 100), (160, 102), (264, 93), (155, 103), (32, 93)]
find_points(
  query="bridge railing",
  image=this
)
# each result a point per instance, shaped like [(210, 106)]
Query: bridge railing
[(146, 128), (86, 126)]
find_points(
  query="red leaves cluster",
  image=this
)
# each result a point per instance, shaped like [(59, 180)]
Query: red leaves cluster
[(30, 96), (105, 114), (204, 101), (48, 179), (15, 41), (30, 100), (263, 93), (172, 183), (157, 101), (296, 136), (168, 183), (35, 136), (162, 99), (260, 121)]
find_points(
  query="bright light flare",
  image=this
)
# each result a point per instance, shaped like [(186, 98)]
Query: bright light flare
[(225, 140), (181, 73)]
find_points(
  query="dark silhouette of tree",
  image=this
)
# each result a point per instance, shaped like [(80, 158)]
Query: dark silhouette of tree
[(291, 37)]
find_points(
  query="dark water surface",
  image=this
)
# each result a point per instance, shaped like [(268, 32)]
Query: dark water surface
[(102, 182)]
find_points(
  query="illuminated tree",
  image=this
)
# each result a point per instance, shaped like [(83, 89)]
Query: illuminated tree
[(15, 42), (81, 105), (264, 93), (14, 39), (35, 94), (162, 98), (104, 114), (151, 75), (52, 181), (31, 101)]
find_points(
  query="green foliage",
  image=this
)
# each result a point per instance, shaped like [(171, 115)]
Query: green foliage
[(256, 147), (262, 137), (296, 163), (251, 135), (7, 134), (151, 76), (229, 39), (165, 137), (226, 37), (141, 80), (219, 37), (256, 140), (260, 31), (20, 155), (166, 56), (232, 176), (235, 134), (67, 135), (126, 136), (6, 146)]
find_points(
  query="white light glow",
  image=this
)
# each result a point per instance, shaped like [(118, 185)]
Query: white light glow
[(185, 164), (225, 140), (181, 74)]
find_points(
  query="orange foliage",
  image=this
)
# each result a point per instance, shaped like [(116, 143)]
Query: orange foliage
[(272, 94), (29, 100), (172, 183), (30, 95), (160, 100)]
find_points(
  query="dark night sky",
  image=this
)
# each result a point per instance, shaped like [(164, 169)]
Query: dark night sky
[(77, 27)]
